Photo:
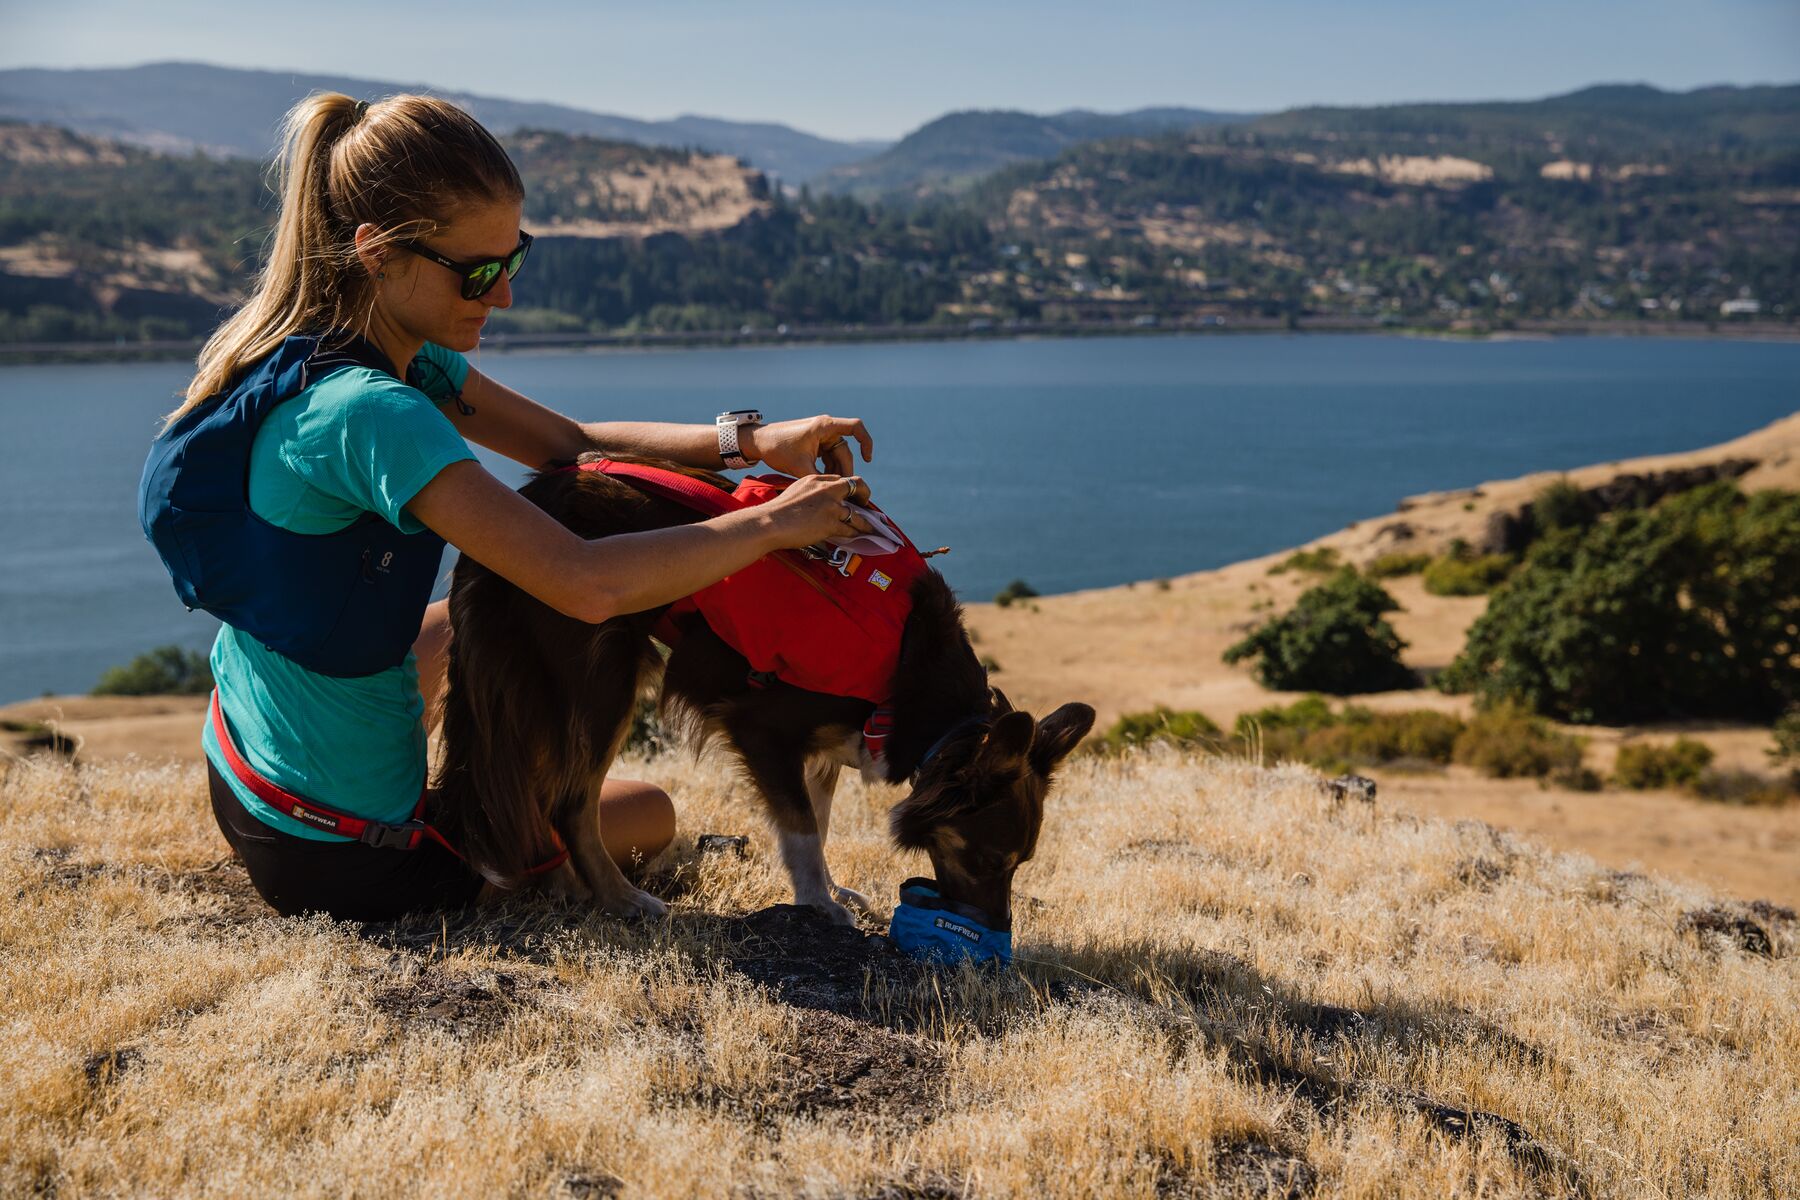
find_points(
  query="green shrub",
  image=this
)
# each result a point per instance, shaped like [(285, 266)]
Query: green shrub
[(1509, 742), (1742, 787), (647, 735), (1561, 505), (1333, 640), (1321, 561), (164, 671), (1646, 765), (1685, 609), (1018, 589), (1472, 576), (1365, 739), (1309, 731), (1390, 566), (1578, 779), (1787, 739), (1183, 727)]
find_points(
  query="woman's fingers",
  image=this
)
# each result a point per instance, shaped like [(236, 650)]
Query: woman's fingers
[(837, 458), (836, 431)]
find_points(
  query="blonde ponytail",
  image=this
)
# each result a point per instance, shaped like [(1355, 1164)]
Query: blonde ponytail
[(403, 165)]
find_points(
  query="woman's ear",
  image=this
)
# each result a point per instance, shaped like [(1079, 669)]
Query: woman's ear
[(371, 257)]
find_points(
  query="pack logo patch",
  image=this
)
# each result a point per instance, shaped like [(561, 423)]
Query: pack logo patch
[(879, 580), (956, 927)]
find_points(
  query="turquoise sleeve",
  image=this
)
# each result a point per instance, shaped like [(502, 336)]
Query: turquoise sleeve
[(445, 373), (372, 442)]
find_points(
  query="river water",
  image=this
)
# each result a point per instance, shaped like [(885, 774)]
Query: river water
[(1067, 463)]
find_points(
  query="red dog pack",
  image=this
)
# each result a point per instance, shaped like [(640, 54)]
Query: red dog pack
[(829, 624)]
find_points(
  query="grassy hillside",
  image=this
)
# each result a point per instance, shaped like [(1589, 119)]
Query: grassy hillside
[(1228, 986)]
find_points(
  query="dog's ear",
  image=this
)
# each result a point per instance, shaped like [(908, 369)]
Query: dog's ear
[(1006, 745), (998, 699), (1057, 734)]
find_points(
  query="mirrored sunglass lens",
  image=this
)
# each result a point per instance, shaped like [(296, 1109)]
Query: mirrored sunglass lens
[(517, 260), (482, 278)]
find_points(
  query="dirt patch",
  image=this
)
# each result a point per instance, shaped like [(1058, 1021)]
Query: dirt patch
[(106, 1068), (843, 1066), (1246, 1168), (477, 1002), (589, 1185), (808, 962), (1758, 927)]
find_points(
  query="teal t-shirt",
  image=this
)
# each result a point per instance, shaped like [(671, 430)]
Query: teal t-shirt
[(357, 441)]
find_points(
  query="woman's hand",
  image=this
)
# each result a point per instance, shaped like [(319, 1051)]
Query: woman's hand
[(799, 448), (813, 508)]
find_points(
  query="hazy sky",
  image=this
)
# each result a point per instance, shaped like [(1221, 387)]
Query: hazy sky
[(851, 70)]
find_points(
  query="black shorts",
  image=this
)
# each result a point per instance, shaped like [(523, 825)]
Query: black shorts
[(348, 880)]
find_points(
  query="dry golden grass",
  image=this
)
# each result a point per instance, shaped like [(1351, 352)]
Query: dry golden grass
[(1228, 987)]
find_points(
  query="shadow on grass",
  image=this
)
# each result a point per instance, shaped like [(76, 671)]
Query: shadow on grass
[(873, 1042)]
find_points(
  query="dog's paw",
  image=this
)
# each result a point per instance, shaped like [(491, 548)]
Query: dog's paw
[(836, 913), (635, 905), (851, 898)]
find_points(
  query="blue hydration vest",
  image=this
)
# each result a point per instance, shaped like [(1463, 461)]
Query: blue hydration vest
[(343, 603)]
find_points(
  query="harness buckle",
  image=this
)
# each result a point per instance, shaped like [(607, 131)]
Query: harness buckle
[(401, 835)]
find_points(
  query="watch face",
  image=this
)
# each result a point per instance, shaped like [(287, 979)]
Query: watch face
[(741, 416)]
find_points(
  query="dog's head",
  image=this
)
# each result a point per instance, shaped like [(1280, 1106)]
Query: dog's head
[(977, 805)]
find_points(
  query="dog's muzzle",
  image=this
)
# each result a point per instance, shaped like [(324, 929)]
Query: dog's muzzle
[(933, 929)]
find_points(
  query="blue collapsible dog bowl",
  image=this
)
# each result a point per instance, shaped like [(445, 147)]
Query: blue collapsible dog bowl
[(934, 929)]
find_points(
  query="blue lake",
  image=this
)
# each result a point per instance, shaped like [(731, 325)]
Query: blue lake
[(1070, 464)]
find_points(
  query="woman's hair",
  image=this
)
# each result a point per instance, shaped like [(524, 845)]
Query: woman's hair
[(405, 165)]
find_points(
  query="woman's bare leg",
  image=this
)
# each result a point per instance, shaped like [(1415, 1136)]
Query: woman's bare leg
[(637, 820), (432, 652)]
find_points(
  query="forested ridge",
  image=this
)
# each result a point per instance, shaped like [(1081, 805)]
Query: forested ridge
[(1626, 204)]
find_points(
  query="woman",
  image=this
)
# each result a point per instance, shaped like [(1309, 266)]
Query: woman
[(343, 382)]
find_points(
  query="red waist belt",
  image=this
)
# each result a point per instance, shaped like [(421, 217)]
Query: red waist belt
[(387, 835)]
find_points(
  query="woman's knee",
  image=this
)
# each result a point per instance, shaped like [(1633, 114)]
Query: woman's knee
[(637, 820)]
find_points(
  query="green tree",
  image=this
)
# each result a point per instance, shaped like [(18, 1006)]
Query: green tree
[(164, 671), (1333, 640), (1686, 609)]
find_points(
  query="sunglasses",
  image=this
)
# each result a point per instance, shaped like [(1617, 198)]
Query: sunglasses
[(478, 277)]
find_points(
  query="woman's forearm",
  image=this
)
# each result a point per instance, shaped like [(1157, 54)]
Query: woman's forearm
[(690, 445), (631, 572)]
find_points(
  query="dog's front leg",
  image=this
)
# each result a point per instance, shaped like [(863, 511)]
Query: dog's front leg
[(612, 892), (821, 787), (803, 853)]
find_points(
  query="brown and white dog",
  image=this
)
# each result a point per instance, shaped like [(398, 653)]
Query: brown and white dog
[(538, 704)]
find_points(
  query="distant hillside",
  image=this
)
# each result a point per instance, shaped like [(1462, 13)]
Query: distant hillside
[(1610, 204), (180, 106), (102, 240), (585, 187), (1452, 211), (954, 150), (1624, 120)]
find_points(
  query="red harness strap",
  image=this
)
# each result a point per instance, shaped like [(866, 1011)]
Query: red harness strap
[(405, 835)]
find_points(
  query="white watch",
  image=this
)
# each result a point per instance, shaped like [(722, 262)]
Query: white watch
[(727, 424)]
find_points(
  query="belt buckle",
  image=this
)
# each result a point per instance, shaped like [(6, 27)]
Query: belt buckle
[(397, 836)]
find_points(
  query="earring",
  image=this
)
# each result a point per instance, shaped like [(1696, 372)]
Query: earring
[(381, 274)]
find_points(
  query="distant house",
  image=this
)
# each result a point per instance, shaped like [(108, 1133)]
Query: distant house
[(1743, 306)]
